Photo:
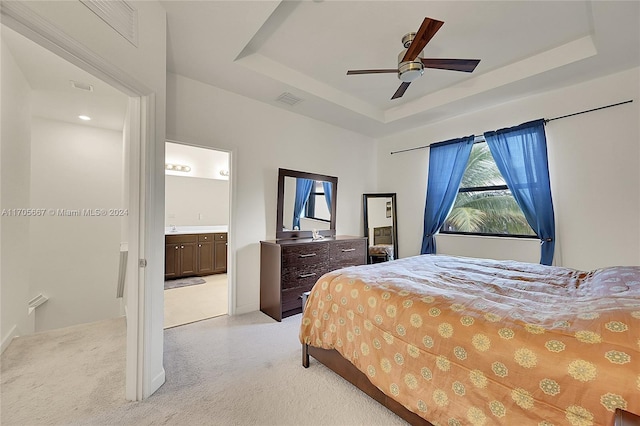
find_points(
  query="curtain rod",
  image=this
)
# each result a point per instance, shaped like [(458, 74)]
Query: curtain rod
[(481, 138)]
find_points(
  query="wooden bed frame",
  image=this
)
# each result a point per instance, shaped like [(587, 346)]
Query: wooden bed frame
[(341, 366), (335, 362)]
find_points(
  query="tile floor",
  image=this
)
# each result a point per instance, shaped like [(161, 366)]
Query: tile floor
[(196, 302)]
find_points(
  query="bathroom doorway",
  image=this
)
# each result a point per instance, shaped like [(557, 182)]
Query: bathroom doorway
[(197, 205)]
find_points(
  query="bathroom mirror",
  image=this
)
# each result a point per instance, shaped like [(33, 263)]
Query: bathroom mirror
[(380, 226), (306, 202)]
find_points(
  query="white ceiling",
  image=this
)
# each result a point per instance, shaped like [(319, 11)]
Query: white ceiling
[(261, 49), (52, 95)]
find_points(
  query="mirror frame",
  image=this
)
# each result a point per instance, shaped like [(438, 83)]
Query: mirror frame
[(282, 174), (365, 210)]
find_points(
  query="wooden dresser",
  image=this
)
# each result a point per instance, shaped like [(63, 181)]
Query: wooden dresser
[(288, 268)]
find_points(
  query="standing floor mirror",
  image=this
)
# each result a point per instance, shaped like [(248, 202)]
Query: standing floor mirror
[(380, 226)]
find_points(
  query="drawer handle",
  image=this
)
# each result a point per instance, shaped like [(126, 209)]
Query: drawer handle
[(347, 250), (306, 275), (307, 255)]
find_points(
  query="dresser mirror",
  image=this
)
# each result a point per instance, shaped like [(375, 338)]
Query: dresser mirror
[(380, 226), (306, 202)]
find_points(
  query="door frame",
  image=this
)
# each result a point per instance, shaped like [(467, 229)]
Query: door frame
[(231, 271), (142, 121)]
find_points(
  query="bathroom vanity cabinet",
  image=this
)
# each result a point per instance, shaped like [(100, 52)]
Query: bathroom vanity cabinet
[(195, 254)]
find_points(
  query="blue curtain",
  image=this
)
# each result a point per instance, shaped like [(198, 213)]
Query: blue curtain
[(327, 194), (521, 155), (303, 189), (447, 162)]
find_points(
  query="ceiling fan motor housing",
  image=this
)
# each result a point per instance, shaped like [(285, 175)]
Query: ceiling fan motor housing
[(408, 71)]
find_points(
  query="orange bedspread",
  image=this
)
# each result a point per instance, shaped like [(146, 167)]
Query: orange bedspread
[(474, 341)]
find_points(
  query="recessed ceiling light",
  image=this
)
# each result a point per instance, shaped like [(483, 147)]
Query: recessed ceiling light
[(84, 117)]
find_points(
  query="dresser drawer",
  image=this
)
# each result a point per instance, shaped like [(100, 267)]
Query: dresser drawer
[(293, 277), (348, 253), (220, 236), (292, 298), (203, 238), (304, 256)]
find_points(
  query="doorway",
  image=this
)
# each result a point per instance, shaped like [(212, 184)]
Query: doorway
[(143, 376), (75, 174), (197, 209)]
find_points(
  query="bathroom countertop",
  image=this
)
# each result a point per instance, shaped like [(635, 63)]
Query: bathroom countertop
[(179, 230)]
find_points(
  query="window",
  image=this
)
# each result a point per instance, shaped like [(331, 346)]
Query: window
[(316, 207), (484, 204)]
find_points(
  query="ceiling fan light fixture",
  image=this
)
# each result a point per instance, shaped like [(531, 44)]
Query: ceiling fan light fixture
[(409, 71)]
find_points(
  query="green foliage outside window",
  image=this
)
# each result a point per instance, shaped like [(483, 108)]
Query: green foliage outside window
[(484, 204)]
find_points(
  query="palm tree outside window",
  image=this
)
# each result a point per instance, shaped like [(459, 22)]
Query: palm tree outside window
[(484, 204)]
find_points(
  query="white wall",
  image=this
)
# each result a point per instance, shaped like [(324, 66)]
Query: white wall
[(307, 224), (594, 162), (74, 259), (377, 212), (262, 139), (196, 201), (289, 202), (14, 194)]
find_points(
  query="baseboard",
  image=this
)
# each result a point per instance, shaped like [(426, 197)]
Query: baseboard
[(155, 384), (6, 341), (245, 309)]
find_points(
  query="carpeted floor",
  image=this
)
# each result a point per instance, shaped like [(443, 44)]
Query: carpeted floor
[(241, 370)]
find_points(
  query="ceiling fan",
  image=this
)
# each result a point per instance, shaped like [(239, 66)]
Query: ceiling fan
[(411, 63)]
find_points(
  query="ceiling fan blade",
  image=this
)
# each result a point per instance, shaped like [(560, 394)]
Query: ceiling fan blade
[(464, 65), (355, 72), (427, 30), (401, 90)]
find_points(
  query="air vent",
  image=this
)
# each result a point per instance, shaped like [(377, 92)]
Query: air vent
[(119, 15), (288, 98), (81, 86)]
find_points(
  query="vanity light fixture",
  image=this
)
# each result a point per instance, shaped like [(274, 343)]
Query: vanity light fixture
[(177, 168), (84, 117)]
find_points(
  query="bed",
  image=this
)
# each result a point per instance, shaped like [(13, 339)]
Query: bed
[(449, 341), (382, 248)]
